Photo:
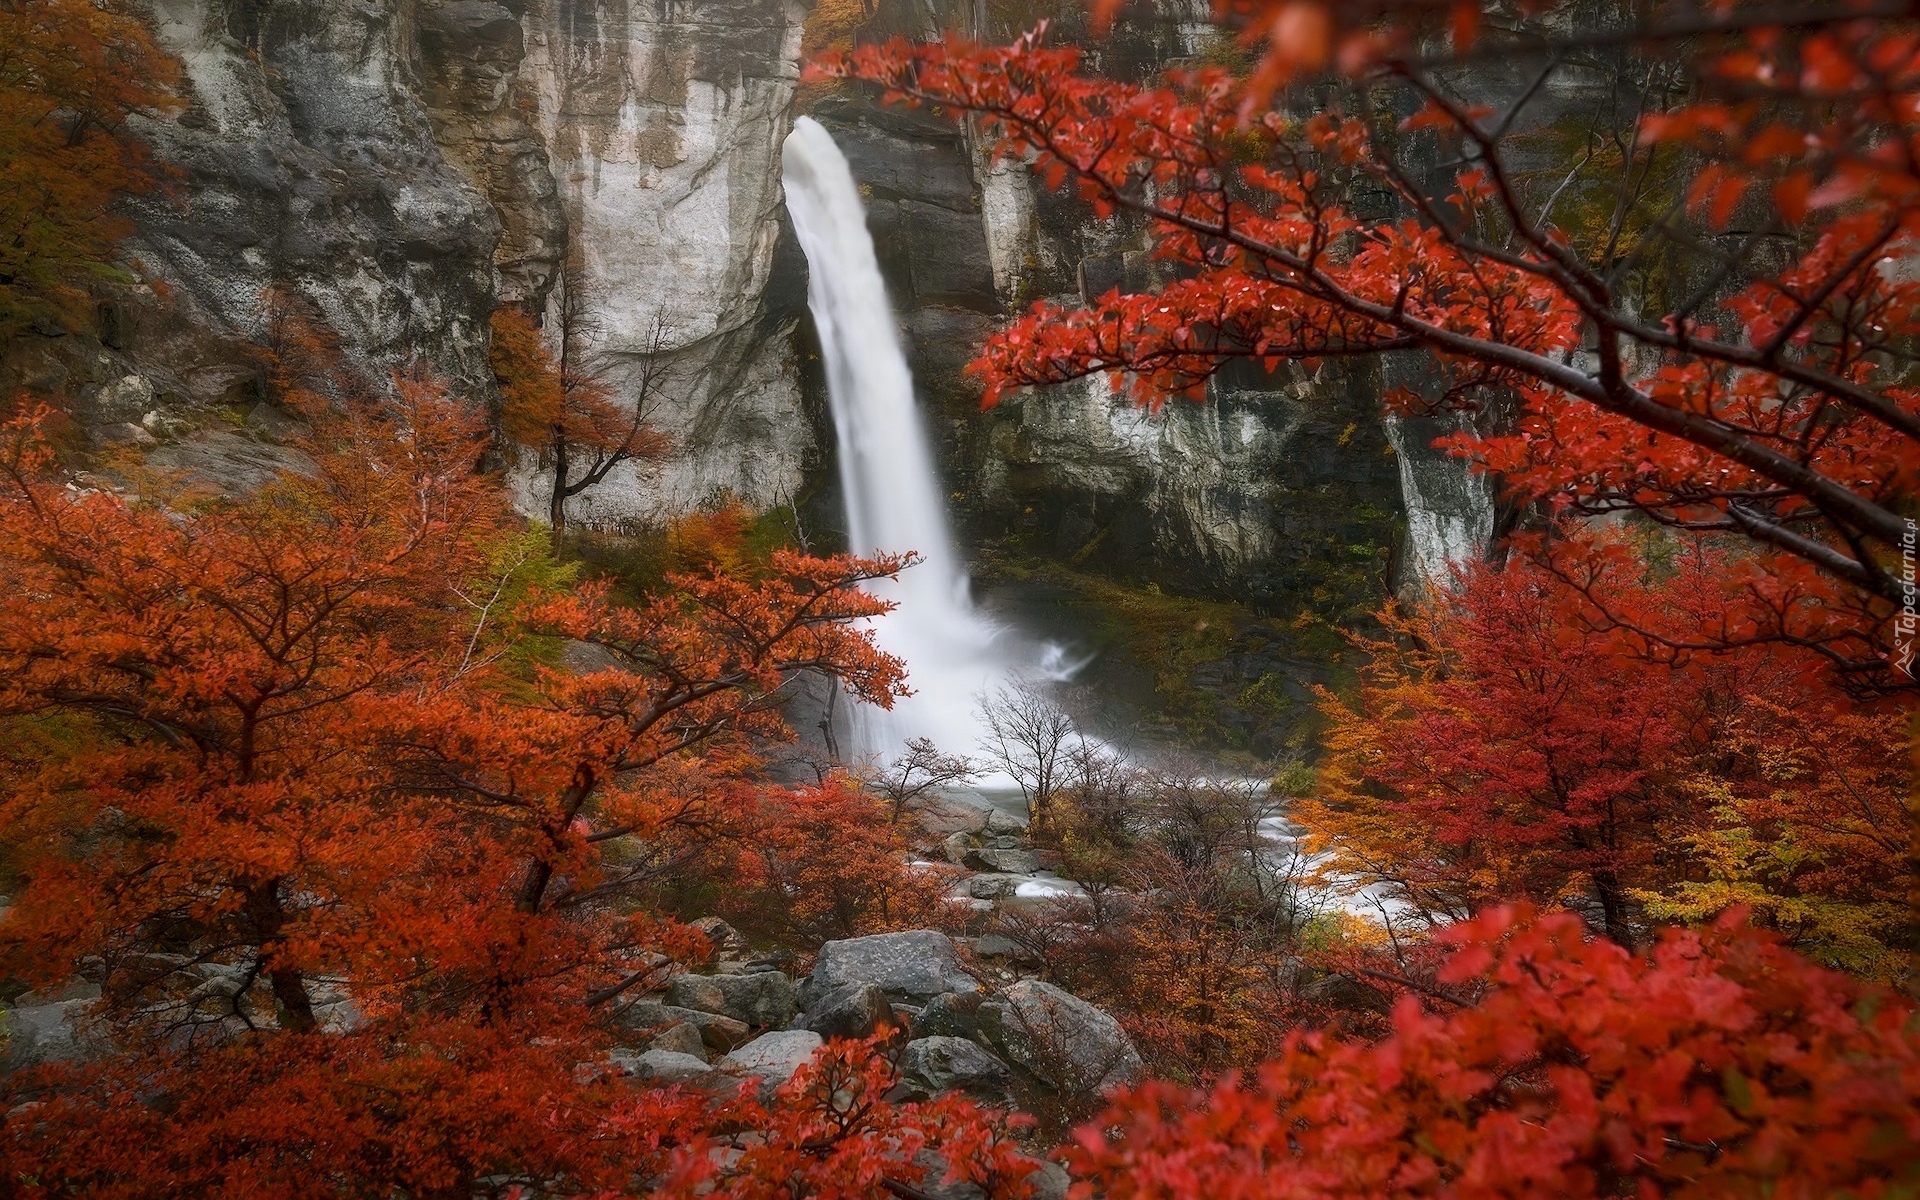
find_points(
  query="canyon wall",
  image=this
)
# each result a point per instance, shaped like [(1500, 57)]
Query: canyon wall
[(395, 172)]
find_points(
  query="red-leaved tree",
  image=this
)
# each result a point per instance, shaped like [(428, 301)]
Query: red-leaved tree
[(358, 868), (1545, 1063)]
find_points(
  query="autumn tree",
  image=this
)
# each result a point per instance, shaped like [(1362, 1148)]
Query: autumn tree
[(209, 694), (578, 428), (1803, 820), (919, 772), (72, 74), (1542, 1062), (360, 869), (1513, 746), (1027, 735), (1760, 171), (826, 862)]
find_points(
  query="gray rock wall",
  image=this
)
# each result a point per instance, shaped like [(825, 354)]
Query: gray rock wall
[(664, 124), (402, 169)]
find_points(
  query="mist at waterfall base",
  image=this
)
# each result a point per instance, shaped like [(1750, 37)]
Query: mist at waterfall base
[(954, 653)]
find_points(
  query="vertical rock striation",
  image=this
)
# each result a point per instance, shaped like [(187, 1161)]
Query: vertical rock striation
[(664, 124)]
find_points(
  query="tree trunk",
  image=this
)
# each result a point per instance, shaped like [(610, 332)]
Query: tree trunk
[(289, 988), (557, 505)]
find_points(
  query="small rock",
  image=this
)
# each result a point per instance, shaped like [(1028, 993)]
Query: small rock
[(1012, 862), (992, 885), (124, 433), (662, 1066), (273, 423), (915, 965), (718, 1032), (955, 812), (852, 1010), (1049, 1181), (955, 847), (775, 1056), (1002, 821), (683, 1038), (764, 998), (724, 937), (994, 945), (956, 1014), (47, 1033), (1071, 1044), (932, 1066)]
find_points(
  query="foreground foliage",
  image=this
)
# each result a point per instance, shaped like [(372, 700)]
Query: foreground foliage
[(1548, 1063)]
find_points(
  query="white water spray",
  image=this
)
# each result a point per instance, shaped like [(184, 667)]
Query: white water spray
[(952, 651)]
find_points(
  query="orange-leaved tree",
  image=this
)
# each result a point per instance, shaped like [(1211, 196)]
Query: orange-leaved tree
[(1696, 315), (71, 74), (575, 425), (296, 781)]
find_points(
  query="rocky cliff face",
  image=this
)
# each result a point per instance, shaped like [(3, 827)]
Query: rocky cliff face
[(398, 171), (664, 124), (308, 168)]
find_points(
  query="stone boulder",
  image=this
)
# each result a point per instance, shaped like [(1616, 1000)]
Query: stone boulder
[(1006, 861), (956, 1014), (852, 1010), (932, 1066), (1065, 1041), (683, 1038), (662, 1066), (721, 1033), (994, 945), (47, 1033), (955, 812), (914, 966), (764, 998), (1002, 821), (724, 939), (774, 1057), (992, 885)]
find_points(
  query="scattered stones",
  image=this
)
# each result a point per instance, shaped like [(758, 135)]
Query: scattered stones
[(915, 965), (1065, 1041), (930, 1066), (774, 1057), (852, 1010), (683, 1038)]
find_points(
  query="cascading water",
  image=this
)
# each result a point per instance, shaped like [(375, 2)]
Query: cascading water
[(952, 651)]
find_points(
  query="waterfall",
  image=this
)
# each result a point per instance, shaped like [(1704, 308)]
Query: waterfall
[(952, 651)]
